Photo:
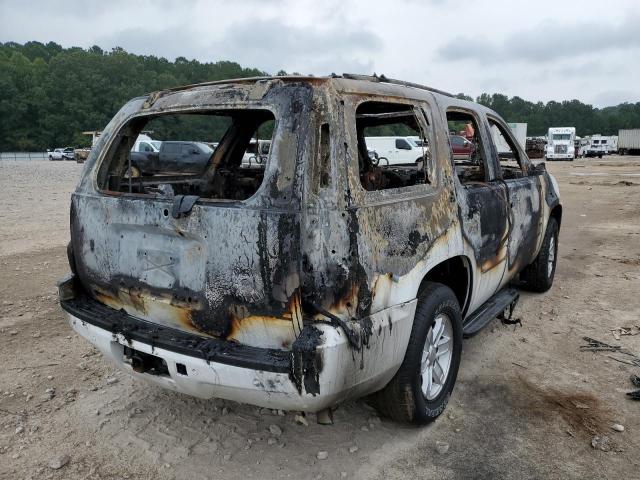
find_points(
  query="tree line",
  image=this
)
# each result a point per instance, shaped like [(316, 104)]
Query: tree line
[(50, 94)]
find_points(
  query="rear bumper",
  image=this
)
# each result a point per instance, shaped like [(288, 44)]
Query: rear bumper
[(320, 370), (203, 379)]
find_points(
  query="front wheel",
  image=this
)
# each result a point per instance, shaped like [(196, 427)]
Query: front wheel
[(538, 276), (420, 390)]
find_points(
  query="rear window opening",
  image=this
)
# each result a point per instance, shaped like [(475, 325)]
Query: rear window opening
[(214, 154), (393, 149)]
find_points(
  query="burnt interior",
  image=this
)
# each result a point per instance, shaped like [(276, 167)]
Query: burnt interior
[(381, 119), (220, 154)]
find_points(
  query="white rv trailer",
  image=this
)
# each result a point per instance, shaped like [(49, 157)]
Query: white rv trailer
[(560, 143), (598, 146)]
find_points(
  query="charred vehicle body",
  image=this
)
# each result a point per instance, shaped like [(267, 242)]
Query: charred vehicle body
[(316, 276)]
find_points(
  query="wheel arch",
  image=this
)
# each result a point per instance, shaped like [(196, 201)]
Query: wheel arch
[(455, 273), (556, 212)]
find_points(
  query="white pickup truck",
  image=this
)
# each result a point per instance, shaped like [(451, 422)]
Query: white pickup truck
[(61, 154)]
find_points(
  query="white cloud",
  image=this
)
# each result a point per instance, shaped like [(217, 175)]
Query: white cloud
[(542, 51), (547, 42)]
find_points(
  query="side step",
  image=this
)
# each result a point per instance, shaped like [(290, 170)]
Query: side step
[(489, 310)]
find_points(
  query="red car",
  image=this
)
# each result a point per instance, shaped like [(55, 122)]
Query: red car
[(462, 148)]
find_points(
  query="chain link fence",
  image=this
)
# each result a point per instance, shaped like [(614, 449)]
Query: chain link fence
[(24, 155)]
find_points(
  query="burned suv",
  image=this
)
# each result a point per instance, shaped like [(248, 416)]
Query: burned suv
[(314, 276)]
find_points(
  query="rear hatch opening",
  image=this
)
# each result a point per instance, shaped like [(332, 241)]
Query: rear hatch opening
[(202, 233)]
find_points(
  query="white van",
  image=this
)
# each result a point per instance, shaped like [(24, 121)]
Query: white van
[(397, 150)]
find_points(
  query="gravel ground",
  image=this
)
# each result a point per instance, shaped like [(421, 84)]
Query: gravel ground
[(528, 403)]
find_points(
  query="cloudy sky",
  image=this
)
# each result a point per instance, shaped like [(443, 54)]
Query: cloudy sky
[(554, 50)]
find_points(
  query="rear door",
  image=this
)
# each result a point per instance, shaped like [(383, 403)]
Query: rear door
[(169, 156), (483, 205), (525, 197)]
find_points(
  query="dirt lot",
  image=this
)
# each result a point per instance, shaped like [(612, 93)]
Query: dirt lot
[(527, 403)]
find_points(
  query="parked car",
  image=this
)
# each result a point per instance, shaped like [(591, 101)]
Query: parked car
[(462, 148), (61, 154), (173, 156), (317, 276)]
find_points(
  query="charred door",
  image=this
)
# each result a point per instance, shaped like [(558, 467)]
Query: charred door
[(483, 207), (524, 193)]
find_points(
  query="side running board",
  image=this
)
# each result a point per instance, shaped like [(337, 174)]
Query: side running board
[(489, 310)]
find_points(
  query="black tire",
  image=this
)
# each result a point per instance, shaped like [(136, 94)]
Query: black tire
[(536, 276), (402, 399)]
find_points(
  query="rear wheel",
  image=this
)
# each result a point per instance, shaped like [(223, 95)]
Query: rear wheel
[(539, 275), (420, 390)]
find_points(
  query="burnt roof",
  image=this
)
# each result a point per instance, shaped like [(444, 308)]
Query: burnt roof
[(348, 76)]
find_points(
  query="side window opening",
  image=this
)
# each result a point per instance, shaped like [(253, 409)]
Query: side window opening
[(511, 163), (393, 148), (466, 147), (203, 154)]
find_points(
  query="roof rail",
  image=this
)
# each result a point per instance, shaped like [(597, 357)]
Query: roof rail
[(383, 79)]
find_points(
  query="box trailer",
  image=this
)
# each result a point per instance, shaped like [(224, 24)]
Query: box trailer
[(629, 142), (519, 131)]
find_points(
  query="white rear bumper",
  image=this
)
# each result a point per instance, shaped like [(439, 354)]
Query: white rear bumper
[(344, 373)]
